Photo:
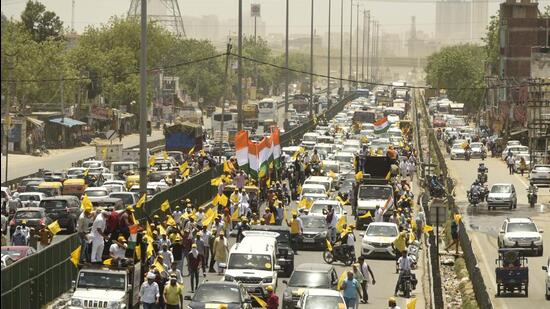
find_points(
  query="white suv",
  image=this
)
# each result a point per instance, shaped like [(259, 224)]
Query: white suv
[(547, 270), (520, 233)]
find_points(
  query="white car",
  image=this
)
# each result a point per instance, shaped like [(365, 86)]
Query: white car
[(308, 189), (29, 198), (321, 298), (546, 268), (476, 149), (513, 143), (319, 206), (96, 193), (378, 239), (520, 233), (515, 150), (457, 152), (502, 195)]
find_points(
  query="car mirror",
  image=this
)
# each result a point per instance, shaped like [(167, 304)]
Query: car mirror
[(187, 297), (544, 268), (541, 231), (285, 281), (501, 232), (362, 234), (222, 265), (277, 267)]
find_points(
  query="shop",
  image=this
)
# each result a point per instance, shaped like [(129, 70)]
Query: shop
[(25, 134), (64, 132)]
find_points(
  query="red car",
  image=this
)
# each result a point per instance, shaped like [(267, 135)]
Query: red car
[(18, 252)]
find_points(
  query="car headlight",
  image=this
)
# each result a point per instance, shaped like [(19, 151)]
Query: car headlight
[(229, 278), (321, 235), (76, 302), (115, 305), (267, 280)]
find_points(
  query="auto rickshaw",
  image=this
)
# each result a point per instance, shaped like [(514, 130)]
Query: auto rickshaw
[(512, 273), (132, 180), (50, 188), (75, 186)]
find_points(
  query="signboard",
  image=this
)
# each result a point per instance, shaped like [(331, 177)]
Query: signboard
[(100, 112), (255, 10), (438, 212)]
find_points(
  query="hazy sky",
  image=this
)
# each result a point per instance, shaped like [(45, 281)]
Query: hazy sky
[(394, 15)]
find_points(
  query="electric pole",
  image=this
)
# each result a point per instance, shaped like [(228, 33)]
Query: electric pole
[(143, 164), (240, 70), (341, 89), (311, 64), (350, 44), (328, 53)]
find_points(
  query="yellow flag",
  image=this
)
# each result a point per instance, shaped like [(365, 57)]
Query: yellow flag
[(148, 231), (165, 206), (331, 174), (299, 189), (183, 166), (165, 155), (427, 228), (340, 224), (235, 215), (224, 200), (412, 237), (411, 303), (260, 301), (216, 200), (192, 150), (303, 203), (359, 176), (388, 175), (272, 219), (158, 265), (185, 173), (54, 227), (152, 160), (86, 203), (137, 250), (227, 167), (85, 174), (341, 280), (209, 216), (149, 248), (108, 262), (162, 231), (234, 197), (329, 245), (75, 256), (366, 215), (141, 201), (170, 221), (268, 182), (216, 181), (104, 153)]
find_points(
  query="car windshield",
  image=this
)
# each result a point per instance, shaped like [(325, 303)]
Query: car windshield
[(313, 191), (457, 146), (53, 204), (313, 222), (28, 215), (323, 302), (115, 188), (521, 227), (97, 193), (381, 230), (29, 197), (307, 279), (250, 261), (318, 209), (310, 138), (217, 294), (126, 198), (103, 281), (12, 253), (375, 192), (91, 164), (500, 189), (344, 158)]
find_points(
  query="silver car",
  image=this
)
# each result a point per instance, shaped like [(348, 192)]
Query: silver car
[(502, 195), (540, 174)]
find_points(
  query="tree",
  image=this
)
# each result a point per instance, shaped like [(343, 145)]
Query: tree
[(41, 24), (460, 70), (492, 46)]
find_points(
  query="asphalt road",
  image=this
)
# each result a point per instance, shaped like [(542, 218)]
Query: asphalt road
[(383, 269), (59, 159), (483, 226)]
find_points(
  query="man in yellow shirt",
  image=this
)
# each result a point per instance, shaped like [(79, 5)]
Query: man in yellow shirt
[(400, 243), (173, 294), (296, 229)]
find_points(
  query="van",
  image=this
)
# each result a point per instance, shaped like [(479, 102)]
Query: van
[(123, 167), (253, 262)]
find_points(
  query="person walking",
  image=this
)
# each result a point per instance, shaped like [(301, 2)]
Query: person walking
[(510, 161), (99, 236), (221, 250), (351, 291), (454, 236), (272, 298), (522, 165), (369, 277), (173, 294), (358, 275), (149, 292), (194, 259)]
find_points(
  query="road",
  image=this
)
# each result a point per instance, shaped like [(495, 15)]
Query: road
[(483, 226), (383, 269), (59, 159)]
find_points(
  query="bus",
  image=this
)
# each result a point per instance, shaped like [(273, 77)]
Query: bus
[(267, 109), (229, 121)]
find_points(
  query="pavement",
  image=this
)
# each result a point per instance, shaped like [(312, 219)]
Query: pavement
[(58, 159), (483, 226)]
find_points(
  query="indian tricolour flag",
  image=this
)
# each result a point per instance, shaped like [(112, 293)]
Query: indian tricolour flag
[(265, 154), (276, 146), (253, 158), (381, 125), (241, 147)]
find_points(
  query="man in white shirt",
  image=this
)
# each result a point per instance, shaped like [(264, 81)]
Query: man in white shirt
[(117, 251), (378, 214), (167, 256), (369, 277), (149, 292), (99, 236), (331, 222), (405, 264)]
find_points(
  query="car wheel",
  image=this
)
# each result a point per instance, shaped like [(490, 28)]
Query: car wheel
[(541, 251)]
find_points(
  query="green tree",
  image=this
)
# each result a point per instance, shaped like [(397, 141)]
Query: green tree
[(264, 74), (492, 46), (460, 70), (41, 24)]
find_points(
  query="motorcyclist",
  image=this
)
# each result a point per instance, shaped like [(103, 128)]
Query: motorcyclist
[(435, 184), (475, 188), (315, 157), (405, 266), (532, 194), (482, 168)]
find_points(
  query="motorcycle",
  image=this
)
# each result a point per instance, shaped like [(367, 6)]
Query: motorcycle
[(483, 155), (315, 169), (532, 195), (437, 191), (474, 197), (407, 284), (338, 253), (482, 177), (467, 155)]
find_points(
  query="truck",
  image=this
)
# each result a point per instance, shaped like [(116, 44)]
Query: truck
[(183, 137), (190, 114), (300, 102), (374, 189), (109, 152), (250, 115), (107, 287)]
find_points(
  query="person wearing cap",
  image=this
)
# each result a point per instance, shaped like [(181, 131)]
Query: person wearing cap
[(195, 261), (126, 220), (177, 214), (218, 225), (241, 227), (117, 251), (173, 294), (99, 236), (83, 228), (201, 248), (255, 219), (221, 251), (177, 251), (368, 276), (392, 303), (272, 298), (205, 237), (168, 257), (149, 292), (296, 229), (44, 238), (351, 290)]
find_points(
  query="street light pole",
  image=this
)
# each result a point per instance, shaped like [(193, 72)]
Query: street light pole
[(286, 67), (368, 47), (341, 89), (363, 47), (328, 52), (142, 104), (240, 70), (350, 43), (357, 45), (311, 64)]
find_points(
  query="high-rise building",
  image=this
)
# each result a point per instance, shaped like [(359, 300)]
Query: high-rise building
[(453, 22), (480, 18)]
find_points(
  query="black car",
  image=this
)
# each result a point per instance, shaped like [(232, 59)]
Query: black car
[(308, 275), (285, 254), (64, 208), (315, 232), (232, 294)]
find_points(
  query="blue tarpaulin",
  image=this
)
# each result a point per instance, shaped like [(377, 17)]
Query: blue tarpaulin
[(67, 122)]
